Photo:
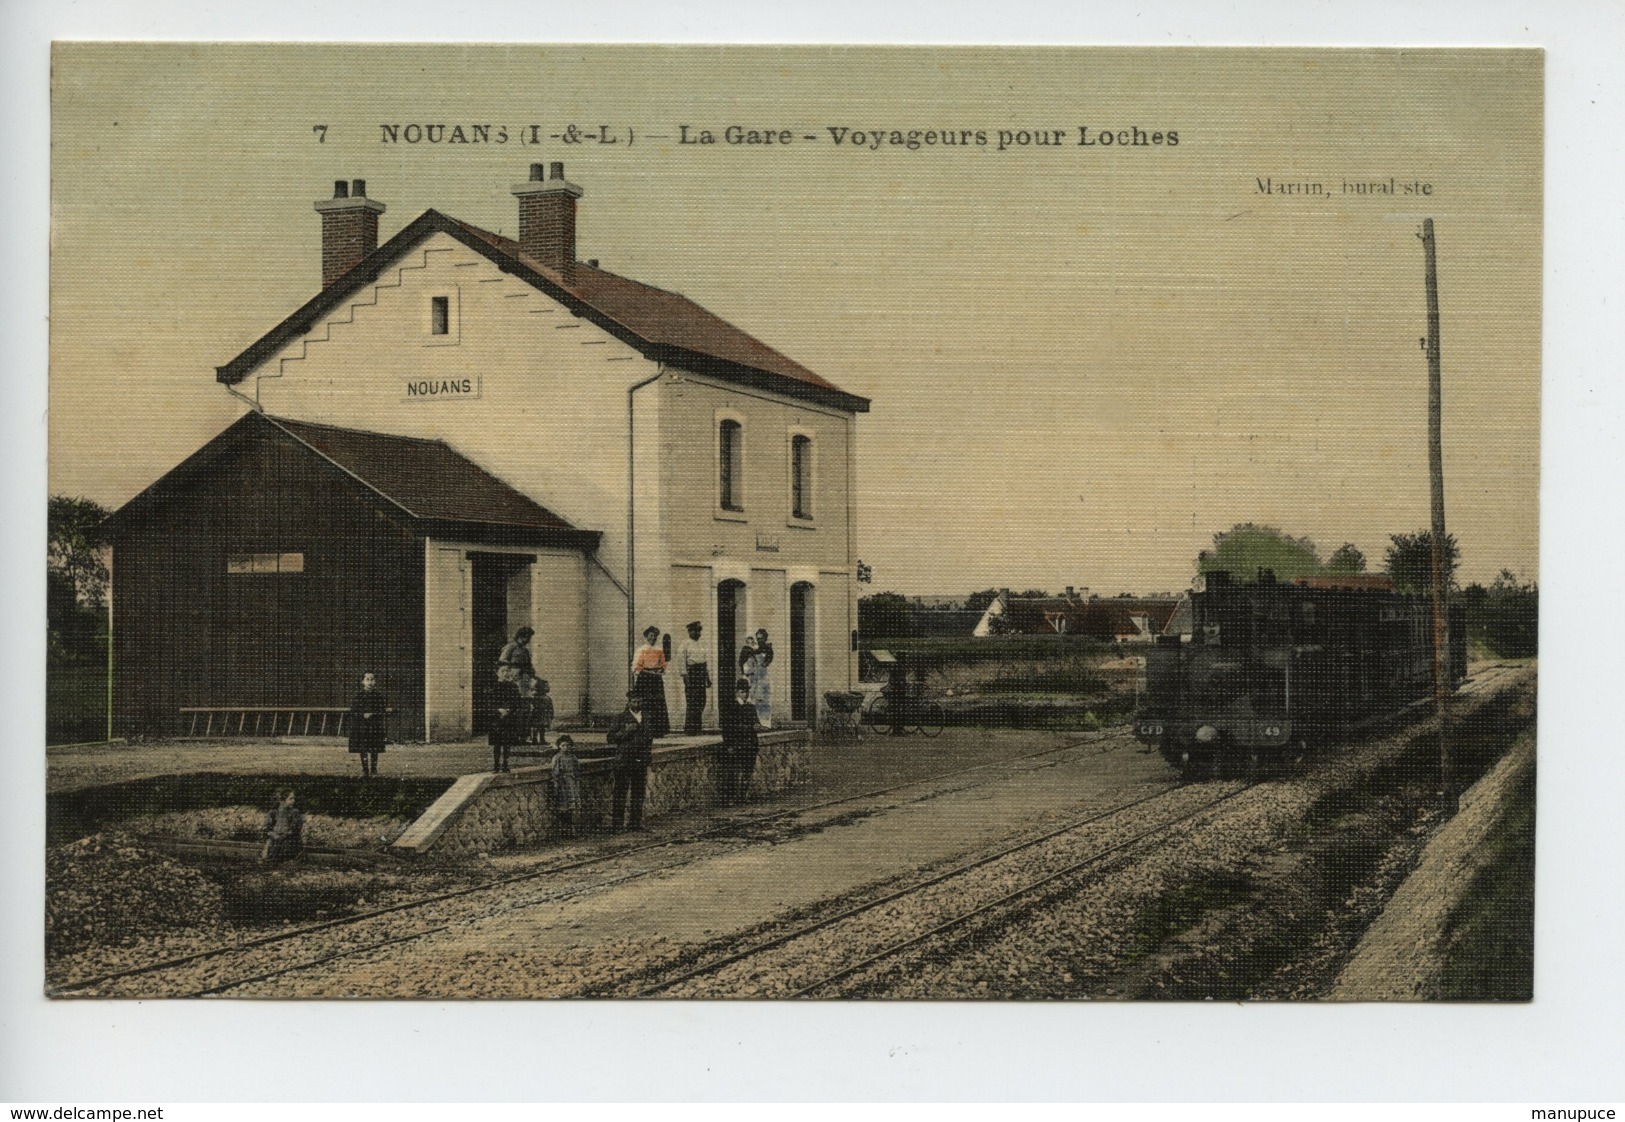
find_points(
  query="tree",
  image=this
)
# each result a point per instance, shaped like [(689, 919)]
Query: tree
[(1245, 549), (73, 549), (1347, 559), (887, 615), (1409, 561), (1505, 617), (978, 601)]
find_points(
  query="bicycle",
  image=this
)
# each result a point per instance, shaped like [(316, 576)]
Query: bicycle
[(913, 714)]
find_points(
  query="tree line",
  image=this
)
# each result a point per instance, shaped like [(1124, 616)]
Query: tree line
[(1503, 618)]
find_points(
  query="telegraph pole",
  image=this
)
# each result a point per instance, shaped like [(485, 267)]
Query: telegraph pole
[(1441, 627)]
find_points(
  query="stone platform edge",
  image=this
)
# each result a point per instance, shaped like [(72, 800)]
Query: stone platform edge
[(489, 811)]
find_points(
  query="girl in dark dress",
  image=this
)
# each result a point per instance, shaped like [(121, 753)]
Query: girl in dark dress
[(368, 714)]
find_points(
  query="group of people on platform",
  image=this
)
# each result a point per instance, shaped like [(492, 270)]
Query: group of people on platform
[(647, 717), (522, 712), (693, 665), (521, 703)]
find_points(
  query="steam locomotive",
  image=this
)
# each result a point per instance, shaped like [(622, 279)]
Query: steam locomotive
[(1272, 669)]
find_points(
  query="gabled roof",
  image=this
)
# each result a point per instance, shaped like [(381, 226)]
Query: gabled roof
[(664, 326), (425, 480), (1072, 615)]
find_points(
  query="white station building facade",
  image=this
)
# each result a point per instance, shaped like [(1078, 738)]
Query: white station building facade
[(683, 470)]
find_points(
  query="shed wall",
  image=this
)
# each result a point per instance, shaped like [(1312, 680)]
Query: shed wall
[(189, 633)]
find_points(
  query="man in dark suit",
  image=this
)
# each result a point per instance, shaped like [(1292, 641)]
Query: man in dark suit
[(737, 759), (633, 740)]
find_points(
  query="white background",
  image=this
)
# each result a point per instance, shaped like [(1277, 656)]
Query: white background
[(1563, 1049)]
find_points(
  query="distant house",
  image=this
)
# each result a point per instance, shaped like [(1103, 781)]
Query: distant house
[(1124, 619)]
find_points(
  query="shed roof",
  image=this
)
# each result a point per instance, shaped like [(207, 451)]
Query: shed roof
[(426, 480), (664, 326)]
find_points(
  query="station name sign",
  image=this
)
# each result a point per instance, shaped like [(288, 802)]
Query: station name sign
[(442, 389)]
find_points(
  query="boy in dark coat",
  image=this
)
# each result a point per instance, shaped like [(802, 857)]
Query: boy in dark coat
[(368, 715), (739, 745), (505, 716)]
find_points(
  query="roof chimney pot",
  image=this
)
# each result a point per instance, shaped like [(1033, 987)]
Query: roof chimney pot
[(547, 219), (349, 228), (538, 172)]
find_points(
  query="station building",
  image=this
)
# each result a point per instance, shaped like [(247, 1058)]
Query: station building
[(462, 434)]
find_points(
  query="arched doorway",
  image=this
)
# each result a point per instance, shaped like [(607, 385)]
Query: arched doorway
[(496, 579), (730, 622), (803, 692)]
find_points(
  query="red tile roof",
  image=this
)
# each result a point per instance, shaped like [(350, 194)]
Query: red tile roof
[(664, 325), (425, 478)]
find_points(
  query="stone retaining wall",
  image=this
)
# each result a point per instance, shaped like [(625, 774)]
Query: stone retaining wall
[(487, 813)]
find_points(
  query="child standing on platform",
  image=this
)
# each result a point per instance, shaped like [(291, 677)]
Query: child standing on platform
[(566, 786), (505, 716)]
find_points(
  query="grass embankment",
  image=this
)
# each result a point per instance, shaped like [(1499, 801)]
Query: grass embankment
[(1284, 928), (1491, 955)]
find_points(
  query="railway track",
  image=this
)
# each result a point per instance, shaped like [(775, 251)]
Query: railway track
[(782, 939), (740, 827), (732, 826)]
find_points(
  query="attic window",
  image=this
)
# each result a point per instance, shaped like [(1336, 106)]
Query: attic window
[(440, 315)]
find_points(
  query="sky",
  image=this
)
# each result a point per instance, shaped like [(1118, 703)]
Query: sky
[(1084, 359)]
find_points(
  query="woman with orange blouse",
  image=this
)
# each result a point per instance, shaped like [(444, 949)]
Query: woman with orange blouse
[(649, 682)]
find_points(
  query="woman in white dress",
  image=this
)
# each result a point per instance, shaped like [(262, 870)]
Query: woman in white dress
[(753, 663)]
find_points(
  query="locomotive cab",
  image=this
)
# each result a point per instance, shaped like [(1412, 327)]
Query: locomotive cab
[(1271, 668)]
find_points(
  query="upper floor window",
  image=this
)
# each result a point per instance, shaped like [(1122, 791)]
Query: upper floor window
[(801, 468), (731, 465), (440, 315)]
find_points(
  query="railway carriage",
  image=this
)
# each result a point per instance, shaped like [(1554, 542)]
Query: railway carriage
[(1273, 669)]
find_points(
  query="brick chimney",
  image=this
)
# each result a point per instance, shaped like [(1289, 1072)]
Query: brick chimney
[(547, 219), (349, 228)]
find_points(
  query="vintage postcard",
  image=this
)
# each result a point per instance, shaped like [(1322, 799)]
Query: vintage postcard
[(737, 522)]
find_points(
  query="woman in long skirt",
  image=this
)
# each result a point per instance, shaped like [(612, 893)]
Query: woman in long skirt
[(649, 682)]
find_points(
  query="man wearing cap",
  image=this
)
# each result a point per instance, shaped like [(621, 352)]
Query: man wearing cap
[(633, 740), (694, 661)]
